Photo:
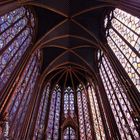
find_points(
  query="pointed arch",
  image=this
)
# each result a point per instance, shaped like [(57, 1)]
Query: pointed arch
[(53, 126), (69, 102), (16, 31), (69, 134), (83, 115)]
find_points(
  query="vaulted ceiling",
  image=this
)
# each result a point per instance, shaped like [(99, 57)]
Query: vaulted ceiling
[(70, 32)]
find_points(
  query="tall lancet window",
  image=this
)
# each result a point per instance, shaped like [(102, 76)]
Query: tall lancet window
[(96, 115), (16, 30), (52, 131), (42, 114), (83, 115), (22, 95), (69, 103), (69, 134), (123, 36), (119, 102)]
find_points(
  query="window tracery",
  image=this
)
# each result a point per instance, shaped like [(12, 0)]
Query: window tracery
[(15, 38), (69, 102), (123, 37), (54, 115), (83, 114), (96, 116), (119, 102), (69, 134), (22, 95), (42, 114)]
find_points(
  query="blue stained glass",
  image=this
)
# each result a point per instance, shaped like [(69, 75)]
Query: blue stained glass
[(40, 122), (54, 115), (69, 134), (23, 93), (11, 47), (1, 20), (3, 26), (68, 102), (1, 43), (11, 25), (9, 18), (25, 101)]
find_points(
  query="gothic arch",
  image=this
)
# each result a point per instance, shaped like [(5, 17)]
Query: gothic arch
[(75, 50)]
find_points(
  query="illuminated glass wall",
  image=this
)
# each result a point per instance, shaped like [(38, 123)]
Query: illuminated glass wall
[(22, 95), (69, 102), (123, 37), (16, 31), (118, 100), (42, 114), (53, 126), (83, 114)]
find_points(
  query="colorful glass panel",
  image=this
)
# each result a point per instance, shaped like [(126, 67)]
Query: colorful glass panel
[(83, 115), (15, 38), (42, 113), (22, 96), (96, 116), (119, 103), (54, 115), (69, 102), (69, 134), (123, 37)]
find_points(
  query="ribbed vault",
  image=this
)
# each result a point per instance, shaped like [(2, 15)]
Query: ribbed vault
[(69, 33), (69, 68), (68, 74)]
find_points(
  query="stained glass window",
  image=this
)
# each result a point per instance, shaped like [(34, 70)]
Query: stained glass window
[(54, 115), (83, 114), (41, 118), (123, 37), (96, 116), (15, 38), (22, 95), (119, 102), (69, 102), (69, 134)]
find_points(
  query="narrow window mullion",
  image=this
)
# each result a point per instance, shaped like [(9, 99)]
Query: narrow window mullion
[(12, 57), (27, 84), (126, 26), (114, 91), (127, 43), (93, 101), (107, 88), (125, 57), (119, 90), (25, 100), (26, 73), (24, 109), (122, 96)]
